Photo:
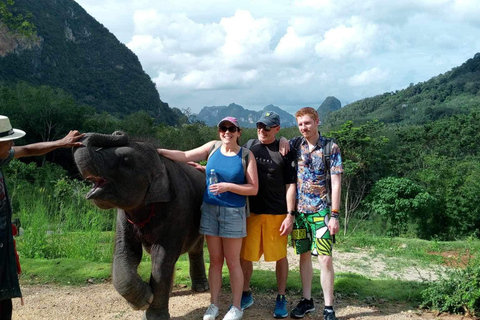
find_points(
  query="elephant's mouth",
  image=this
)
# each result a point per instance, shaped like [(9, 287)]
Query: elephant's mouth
[(98, 186)]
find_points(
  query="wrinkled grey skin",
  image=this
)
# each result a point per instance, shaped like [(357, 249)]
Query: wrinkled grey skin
[(133, 178)]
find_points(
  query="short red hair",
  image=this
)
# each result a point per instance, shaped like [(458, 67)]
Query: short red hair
[(307, 111)]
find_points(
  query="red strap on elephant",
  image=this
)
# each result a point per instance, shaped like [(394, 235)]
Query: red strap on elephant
[(143, 223)]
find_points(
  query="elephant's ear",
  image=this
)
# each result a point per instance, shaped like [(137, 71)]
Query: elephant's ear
[(159, 190)]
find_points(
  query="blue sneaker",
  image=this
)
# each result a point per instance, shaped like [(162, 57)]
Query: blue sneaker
[(247, 300), (280, 307)]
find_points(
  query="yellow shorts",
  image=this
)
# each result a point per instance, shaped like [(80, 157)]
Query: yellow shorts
[(263, 237)]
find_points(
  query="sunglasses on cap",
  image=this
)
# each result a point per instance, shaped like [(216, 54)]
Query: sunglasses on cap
[(264, 127), (230, 129)]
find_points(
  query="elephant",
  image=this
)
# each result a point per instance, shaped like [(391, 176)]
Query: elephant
[(158, 207)]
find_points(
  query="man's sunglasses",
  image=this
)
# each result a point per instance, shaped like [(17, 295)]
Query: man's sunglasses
[(231, 129), (265, 127)]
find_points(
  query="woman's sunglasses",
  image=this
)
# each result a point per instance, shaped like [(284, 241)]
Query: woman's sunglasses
[(231, 129), (265, 127)]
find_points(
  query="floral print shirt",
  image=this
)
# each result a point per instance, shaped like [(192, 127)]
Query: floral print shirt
[(311, 182)]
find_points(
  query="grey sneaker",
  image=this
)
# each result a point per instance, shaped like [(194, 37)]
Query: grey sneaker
[(233, 314), (247, 300), (211, 313)]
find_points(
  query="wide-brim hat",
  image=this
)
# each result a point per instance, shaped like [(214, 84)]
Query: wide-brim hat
[(232, 120), (7, 132)]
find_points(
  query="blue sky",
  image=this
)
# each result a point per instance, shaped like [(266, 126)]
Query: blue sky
[(291, 53)]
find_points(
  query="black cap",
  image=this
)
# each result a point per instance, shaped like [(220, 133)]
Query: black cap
[(269, 118)]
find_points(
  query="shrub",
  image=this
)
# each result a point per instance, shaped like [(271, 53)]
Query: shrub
[(396, 200), (457, 292)]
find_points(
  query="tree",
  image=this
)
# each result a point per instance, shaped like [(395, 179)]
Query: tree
[(361, 155), (16, 23)]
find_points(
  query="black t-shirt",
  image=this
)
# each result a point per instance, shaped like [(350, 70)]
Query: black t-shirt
[(274, 173)]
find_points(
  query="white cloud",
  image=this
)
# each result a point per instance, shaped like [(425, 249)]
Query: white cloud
[(146, 43), (314, 4), (357, 40), (368, 77), (290, 53), (245, 36), (290, 46), (294, 77)]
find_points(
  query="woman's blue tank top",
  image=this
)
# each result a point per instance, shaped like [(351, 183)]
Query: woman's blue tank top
[(228, 169)]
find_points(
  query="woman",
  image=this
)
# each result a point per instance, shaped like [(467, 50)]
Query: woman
[(223, 220)]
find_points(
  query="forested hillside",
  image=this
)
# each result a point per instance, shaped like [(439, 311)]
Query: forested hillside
[(74, 52), (455, 92)]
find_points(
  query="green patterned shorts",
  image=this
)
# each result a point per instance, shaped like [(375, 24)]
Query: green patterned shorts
[(312, 226)]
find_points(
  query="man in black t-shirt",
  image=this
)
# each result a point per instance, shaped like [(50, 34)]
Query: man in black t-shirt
[(9, 286), (272, 210)]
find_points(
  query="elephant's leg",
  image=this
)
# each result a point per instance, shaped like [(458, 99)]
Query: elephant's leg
[(127, 257), (197, 267), (163, 266)]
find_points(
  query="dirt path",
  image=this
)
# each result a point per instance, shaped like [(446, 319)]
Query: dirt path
[(101, 301)]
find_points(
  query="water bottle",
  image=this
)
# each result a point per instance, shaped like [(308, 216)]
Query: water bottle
[(212, 179)]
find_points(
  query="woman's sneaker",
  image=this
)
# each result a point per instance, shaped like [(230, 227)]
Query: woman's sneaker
[(280, 307), (247, 300), (233, 314), (303, 307), (211, 313)]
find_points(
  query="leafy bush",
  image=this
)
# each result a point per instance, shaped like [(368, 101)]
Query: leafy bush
[(457, 292), (397, 200)]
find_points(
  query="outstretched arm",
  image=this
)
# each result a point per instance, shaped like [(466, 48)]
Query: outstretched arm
[(197, 154), (41, 148)]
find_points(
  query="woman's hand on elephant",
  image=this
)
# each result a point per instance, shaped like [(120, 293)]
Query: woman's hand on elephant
[(197, 166), (218, 188)]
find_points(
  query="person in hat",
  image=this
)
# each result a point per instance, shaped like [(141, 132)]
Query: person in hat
[(272, 210), (223, 220), (9, 286)]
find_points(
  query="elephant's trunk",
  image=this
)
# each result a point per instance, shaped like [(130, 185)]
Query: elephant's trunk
[(85, 155)]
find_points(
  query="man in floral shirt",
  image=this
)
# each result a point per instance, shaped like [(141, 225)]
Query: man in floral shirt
[(315, 221)]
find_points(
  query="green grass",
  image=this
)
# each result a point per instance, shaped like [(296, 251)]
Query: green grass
[(67, 271), (420, 252), (78, 272)]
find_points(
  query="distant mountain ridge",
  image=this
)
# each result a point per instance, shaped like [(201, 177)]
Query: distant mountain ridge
[(76, 53), (247, 118)]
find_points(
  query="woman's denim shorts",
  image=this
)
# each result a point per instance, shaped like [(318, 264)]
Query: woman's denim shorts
[(225, 222)]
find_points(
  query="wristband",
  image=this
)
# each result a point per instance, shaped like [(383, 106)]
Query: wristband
[(292, 213)]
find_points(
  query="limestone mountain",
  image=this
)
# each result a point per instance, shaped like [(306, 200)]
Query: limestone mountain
[(329, 105), (247, 118), (76, 53)]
